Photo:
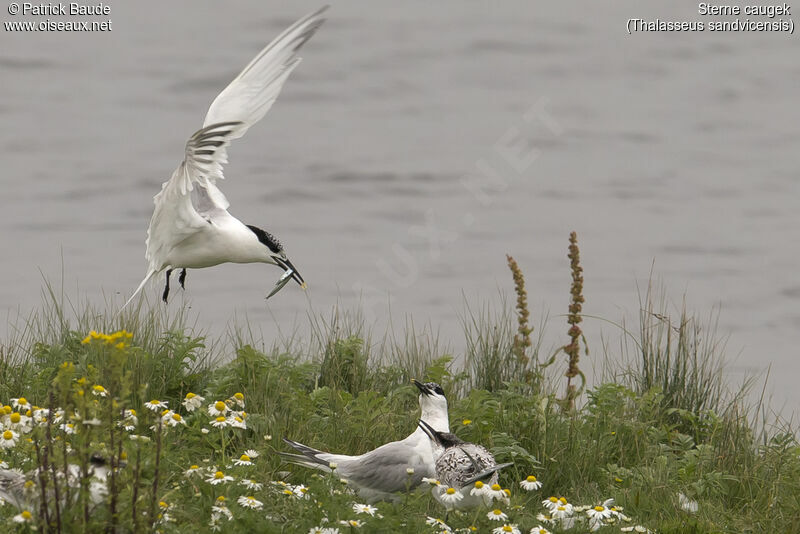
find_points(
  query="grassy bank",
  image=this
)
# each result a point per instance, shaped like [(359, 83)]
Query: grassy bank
[(661, 426)]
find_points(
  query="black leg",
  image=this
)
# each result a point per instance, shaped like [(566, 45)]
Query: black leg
[(166, 287), (182, 279)]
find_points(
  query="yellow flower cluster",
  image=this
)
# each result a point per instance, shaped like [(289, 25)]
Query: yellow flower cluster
[(118, 338)]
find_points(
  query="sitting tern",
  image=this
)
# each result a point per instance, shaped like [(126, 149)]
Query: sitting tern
[(459, 464), (383, 472), (191, 227)]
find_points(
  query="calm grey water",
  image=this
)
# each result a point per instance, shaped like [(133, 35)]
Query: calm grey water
[(413, 148)]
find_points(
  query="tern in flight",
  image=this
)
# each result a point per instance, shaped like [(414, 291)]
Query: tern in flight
[(191, 227), (391, 468)]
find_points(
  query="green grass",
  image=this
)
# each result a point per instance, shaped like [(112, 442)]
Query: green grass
[(665, 426)]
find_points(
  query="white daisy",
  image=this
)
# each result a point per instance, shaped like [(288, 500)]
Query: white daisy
[(450, 496), (250, 502), (218, 477), (156, 405), (8, 439), (300, 491), (550, 502), (497, 515), (251, 453), (67, 428), (479, 489), (243, 460), (506, 529), (597, 516), (99, 391), (251, 484), (530, 483), (238, 398), (353, 523), (364, 509), (21, 403), (192, 402), (218, 408), (539, 529), (220, 422), (194, 470), (431, 481), (636, 528), (23, 517), (236, 421), (495, 491), (173, 419)]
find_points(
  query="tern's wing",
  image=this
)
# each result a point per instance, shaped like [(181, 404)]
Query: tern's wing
[(190, 199), (385, 468)]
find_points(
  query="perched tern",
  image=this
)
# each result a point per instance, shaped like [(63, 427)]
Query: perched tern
[(391, 468), (191, 227), (13, 488), (459, 464)]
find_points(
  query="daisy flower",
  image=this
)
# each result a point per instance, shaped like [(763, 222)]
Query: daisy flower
[(495, 492), (364, 509), (251, 484), (192, 402), (251, 453), (194, 470), (218, 408), (99, 391), (243, 460), (238, 398), (300, 491), (20, 403), (550, 502), (23, 517), (431, 481), (479, 489), (637, 528), (220, 422), (218, 477), (156, 405), (8, 439), (354, 523), (250, 502), (237, 422), (497, 515), (506, 529), (597, 516), (323, 530), (173, 419), (530, 483), (450, 496), (539, 529)]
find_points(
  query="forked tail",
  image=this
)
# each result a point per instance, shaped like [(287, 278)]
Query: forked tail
[(138, 289)]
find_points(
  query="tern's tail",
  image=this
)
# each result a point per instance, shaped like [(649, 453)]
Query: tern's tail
[(150, 274), (310, 457)]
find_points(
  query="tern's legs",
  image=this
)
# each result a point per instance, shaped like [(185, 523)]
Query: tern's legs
[(182, 278), (166, 287)]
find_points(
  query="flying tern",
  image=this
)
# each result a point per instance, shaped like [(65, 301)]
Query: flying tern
[(191, 227), (459, 464), (391, 468)]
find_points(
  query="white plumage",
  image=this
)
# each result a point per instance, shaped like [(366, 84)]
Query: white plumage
[(382, 473), (191, 226)]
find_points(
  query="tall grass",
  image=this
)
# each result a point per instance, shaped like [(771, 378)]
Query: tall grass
[(667, 426)]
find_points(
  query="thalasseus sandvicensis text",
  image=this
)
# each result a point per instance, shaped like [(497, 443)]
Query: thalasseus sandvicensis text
[(382, 473), (191, 227), (459, 464)]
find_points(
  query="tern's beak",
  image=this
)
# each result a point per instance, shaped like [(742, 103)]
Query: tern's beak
[(420, 386), (290, 273)]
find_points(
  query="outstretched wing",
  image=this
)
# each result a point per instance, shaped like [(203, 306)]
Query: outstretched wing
[(189, 200)]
